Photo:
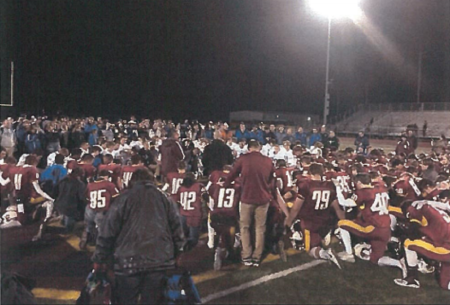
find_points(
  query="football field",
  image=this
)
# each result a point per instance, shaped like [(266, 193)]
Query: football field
[(60, 268)]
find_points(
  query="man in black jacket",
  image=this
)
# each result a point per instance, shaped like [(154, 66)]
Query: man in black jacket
[(143, 231), (216, 155)]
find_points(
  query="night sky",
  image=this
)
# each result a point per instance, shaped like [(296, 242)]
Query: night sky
[(202, 59)]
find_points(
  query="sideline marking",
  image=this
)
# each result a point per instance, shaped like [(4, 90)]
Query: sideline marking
[(212, 274), (261, 280), (55, 294)]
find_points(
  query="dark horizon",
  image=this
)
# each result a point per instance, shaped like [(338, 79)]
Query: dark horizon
[(203, 59)]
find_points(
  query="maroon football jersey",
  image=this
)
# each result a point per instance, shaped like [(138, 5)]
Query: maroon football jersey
[(127, 173), (226, 201), (99, 194), (407, 188), (71, 165), (284, 180), (214, 177), (382, 169), (373, 203), (89, 171), (174, 180), (22, 179), (434, 195), (317, 196), (191, 200), (114, 169), (434, 224), (344, 180)]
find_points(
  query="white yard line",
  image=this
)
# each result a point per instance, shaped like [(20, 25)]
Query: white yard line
[(261, 280)]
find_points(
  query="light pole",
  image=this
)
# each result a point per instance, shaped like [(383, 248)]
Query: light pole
[(326, 107), (333, 9)]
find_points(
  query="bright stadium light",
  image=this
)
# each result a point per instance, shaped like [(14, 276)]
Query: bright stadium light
[(335, 9)]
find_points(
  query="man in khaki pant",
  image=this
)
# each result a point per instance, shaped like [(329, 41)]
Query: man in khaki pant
[(256, 177)]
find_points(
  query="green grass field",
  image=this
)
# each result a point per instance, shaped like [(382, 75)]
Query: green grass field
[(359, 283)]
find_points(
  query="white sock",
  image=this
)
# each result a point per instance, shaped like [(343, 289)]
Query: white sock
[(347, 240), (411, 257), (388, 261), (48, 206), (393, 221), (211, 234)]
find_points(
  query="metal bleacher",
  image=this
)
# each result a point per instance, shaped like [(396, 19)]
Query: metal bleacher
[(388, 120)]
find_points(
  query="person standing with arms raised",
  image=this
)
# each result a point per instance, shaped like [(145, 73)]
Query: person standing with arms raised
[(257, 181)]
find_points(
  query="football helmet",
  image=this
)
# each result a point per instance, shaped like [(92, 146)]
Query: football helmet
[(10, 218)]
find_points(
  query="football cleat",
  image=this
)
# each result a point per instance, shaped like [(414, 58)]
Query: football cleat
[(404, 283), (363, 251), (282, 251), (346, 257), (332, 258), (256, 263), (247, 261), (424, 268)]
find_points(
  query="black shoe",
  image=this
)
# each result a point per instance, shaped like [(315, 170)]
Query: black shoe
[(247, 261), (256, 263)]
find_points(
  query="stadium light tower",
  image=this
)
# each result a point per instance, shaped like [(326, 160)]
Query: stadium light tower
[(334, 9)]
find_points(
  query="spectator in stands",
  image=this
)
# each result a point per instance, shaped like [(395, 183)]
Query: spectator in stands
[(8, 137), (361, 141), (279, 134), (242, 132), (289, 136), (301, 136), (332, 142), (52, 135), (323, 134), (268, 134), (32, 141), (257, 134), (314, 137)]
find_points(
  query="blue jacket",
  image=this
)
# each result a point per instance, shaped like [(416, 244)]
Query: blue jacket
[(55, 173), (32, 142), (315, 137), (242, 135), (301, 137)]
